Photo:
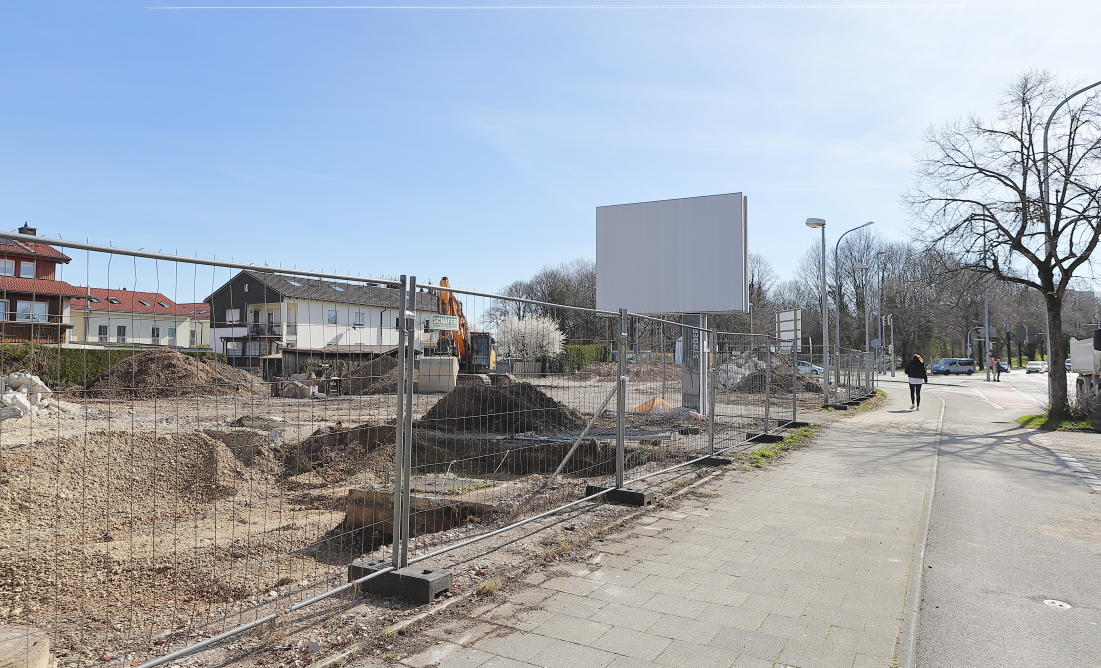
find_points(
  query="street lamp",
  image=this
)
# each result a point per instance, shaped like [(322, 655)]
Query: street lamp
[(837, 299), (1051, 250), (821, 224), (861, 267)]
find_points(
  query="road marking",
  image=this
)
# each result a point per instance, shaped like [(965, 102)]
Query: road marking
[(1081, 471), (984, 398)]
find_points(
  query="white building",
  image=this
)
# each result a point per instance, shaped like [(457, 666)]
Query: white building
[(257, 314), (130, 318)]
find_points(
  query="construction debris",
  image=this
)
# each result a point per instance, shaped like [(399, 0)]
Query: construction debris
[(24, 395)]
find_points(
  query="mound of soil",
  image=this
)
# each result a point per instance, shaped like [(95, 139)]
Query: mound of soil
[(781, 377), (509, 410), (167, 373), (379, 376), (637, 372)]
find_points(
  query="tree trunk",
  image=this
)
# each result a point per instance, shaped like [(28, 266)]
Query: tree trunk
[(1056, 371)]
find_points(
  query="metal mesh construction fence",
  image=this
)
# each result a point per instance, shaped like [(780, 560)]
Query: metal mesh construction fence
[(204, 447)]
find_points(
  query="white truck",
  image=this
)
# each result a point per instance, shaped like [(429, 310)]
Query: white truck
[(1085, 360)]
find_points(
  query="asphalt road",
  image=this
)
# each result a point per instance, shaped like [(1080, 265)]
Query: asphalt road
[(1011, 527)]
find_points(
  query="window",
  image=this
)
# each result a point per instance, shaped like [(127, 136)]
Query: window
[(337, 288), (253, 349), (330, 317), (7, 267), (233, 348), (26, 269), (163, 304), (155, 334), (120, 333), (113, 300), (191, 339), (427, 326), (94, 300), (358, 319), (233, 315), (32, 311), (294, 283), (144, 303), (246, 287), (103, 333), (4, 315)]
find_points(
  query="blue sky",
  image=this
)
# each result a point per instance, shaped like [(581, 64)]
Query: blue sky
[(477, 143)]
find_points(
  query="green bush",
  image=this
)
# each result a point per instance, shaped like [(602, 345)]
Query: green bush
[(70, 367), (579, 357)]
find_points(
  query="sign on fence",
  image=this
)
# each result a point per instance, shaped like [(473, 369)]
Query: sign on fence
[(789, 329), (445, 323)]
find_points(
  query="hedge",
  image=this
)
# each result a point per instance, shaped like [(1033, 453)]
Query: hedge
[(70, 367)]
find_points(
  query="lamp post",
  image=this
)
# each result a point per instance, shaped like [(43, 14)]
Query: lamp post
[(1051, 250), (837, 299), (821, 224), (861, 267)]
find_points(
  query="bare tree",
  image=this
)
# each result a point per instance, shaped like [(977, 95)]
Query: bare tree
[(979, 196)]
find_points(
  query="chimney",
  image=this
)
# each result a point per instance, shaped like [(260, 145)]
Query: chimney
[(27, 229)]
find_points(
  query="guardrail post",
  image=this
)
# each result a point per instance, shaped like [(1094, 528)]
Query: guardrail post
[(621, 399)]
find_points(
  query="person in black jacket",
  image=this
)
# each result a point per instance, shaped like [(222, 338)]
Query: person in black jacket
[(915, 370)]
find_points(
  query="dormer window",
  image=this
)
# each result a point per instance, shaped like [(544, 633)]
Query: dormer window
[(94, 300), (337, 288), (113, 300), (144, 303), (163, 304)]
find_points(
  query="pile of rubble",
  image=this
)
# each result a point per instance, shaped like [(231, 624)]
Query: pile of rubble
[(24, 395)]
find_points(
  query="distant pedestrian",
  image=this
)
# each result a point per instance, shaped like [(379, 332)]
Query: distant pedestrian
[(915, 370), (997, 367)]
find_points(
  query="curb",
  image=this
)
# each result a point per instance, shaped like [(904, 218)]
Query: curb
[(907, 642)]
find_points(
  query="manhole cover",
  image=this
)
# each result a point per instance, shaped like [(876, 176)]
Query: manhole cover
[(1057, 604)]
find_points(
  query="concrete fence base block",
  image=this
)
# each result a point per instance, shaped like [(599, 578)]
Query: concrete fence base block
[(840, 407), (412, 583), (763, 438), (624, 495)]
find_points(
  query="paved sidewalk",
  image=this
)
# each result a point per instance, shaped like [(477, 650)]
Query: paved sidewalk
[(804, 565)]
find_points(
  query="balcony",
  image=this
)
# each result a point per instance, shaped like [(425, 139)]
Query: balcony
[(260, 329), (51, 331)]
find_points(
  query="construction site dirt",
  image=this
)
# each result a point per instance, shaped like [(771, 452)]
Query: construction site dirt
[(135, 519)]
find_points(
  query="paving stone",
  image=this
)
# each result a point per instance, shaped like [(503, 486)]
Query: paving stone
[(573, 629), (572, 585), (632, 643), (448, 655), (660, 585), (690, 655), (696, 631), (624, 577), (753, 643), (673, 605), (814, 655), (519, 646), (563, 654), (626, 617), (623, 595), (742, 618), (572, 605), (658, 568)]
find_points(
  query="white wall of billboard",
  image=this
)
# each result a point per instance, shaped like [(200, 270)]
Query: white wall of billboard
[(673, 256)]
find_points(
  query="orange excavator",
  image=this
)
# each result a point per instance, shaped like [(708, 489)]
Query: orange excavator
[(474, 349)]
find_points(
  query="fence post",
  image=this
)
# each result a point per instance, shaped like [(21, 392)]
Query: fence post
[(713, 370), (621, 399), (768, 383), (795, 379), (399, 431), (409, 323)]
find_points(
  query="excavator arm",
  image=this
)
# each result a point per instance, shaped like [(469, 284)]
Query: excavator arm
[(449, 305)]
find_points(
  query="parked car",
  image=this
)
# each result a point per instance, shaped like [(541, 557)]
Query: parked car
[(808, 369), (1067, 363), (953, 365), (1036, 366)]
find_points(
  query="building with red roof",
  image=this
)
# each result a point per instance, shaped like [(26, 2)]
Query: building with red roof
[(108, 316), (34, 306)]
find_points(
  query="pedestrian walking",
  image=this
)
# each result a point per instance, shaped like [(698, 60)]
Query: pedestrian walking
[(997, 370), (918, 376)]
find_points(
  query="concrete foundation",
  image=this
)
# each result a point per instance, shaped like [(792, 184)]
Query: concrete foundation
[(624, 495)]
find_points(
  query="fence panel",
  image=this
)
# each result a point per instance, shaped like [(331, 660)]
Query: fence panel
[(155, 491)]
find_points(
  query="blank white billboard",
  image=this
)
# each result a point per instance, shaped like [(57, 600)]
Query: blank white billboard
[(673, 256)]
